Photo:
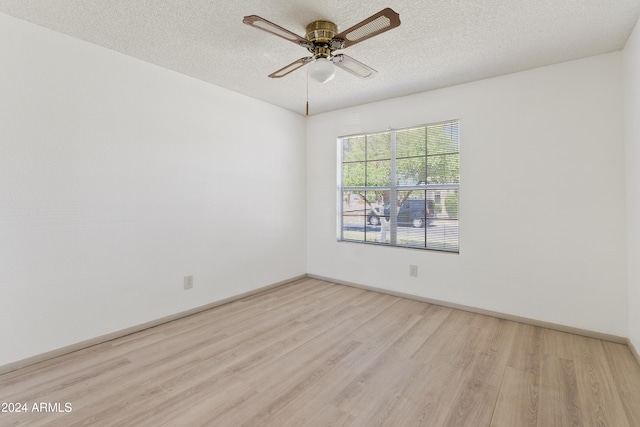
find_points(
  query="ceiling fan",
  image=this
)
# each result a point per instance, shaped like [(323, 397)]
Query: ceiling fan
[(322, 41)]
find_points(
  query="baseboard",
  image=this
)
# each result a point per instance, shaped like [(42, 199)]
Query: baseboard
[(526, 320), (137, 328), (634, 350)]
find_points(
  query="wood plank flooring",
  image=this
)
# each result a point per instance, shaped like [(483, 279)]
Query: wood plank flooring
[(312, 353)]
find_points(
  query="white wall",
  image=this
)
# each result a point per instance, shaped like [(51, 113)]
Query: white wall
[(632, 143), (542, 199), (118, 178)]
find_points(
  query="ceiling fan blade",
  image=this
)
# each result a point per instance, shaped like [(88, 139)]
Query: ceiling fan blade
[(264, 25), (382, 21), (353, 66), (291, 67)]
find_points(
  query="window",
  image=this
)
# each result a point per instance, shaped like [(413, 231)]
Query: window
[(401, 187)]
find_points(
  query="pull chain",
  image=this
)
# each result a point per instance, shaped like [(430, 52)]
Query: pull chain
[(307, 94)]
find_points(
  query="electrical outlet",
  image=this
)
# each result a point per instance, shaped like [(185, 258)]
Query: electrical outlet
[(413, 270), (188, 282)]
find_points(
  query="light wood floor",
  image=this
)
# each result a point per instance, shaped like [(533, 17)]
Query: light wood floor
[(312, 353)]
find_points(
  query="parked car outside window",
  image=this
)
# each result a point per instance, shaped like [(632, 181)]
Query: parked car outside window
[(414, 212)]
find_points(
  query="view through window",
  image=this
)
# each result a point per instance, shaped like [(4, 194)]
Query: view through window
[(401, 187)]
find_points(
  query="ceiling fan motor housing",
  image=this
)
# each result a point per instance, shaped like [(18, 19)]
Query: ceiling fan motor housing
[(320, 34)]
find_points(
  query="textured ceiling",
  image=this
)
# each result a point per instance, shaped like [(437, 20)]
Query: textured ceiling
[(439, 43)]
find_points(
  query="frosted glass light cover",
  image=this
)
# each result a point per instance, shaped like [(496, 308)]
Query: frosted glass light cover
[(322, 70)]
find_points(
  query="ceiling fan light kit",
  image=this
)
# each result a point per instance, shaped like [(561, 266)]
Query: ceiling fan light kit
[(322, 70), (322, 40)]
